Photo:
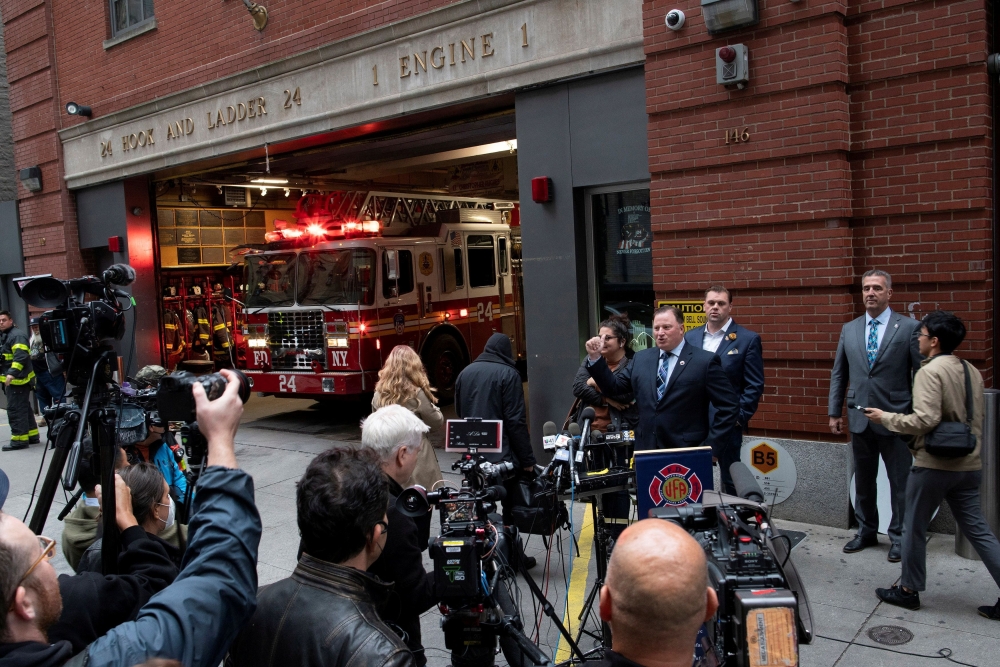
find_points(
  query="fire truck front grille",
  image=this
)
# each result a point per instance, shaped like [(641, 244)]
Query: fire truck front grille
[(295, 339)]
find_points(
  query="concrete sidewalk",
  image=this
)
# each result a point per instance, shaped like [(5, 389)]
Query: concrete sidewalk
[(280, 437)]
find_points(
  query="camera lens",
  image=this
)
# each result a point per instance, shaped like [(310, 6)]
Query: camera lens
[(215, 385)]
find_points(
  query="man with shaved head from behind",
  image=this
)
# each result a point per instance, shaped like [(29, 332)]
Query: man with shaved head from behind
[(655, 596)]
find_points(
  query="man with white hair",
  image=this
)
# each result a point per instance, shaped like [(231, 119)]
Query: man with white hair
[(396, 435)]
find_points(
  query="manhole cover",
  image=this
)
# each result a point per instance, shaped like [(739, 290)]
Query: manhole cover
[(893, 635)]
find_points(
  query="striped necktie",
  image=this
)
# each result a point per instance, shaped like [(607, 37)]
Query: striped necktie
[(873, 343), (662, 373)]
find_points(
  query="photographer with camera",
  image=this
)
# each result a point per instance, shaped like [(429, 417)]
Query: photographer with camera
[(656, 596), (194, 619), (17, 376), (324, 615), (397, 435)]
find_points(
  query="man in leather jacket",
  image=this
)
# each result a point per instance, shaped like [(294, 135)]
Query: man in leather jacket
[(324, 615), (396, 435)]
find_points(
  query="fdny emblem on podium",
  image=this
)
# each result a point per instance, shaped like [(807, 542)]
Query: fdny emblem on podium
[(675, 485)]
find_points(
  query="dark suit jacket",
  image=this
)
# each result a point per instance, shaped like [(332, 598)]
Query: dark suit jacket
[(887, 384), (680, 418), (742, 361)]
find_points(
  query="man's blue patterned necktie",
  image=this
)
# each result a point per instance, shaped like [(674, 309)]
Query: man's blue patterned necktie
[(873, 343), (661, 376)]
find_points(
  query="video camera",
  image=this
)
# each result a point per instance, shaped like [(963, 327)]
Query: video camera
[(475, 556), (763, 607)]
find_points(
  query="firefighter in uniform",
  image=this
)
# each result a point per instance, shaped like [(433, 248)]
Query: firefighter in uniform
[(18, 378)]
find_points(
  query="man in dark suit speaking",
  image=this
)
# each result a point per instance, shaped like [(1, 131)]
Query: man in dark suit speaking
[(673, 384)]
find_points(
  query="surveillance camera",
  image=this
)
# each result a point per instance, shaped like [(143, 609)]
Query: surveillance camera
[(675, 19)]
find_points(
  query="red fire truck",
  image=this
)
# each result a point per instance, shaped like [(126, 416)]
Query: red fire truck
[(331, 297)]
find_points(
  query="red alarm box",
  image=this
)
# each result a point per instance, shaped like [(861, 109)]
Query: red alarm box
[(541, 189)]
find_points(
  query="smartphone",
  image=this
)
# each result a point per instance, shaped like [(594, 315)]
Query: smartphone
[(857, 407)]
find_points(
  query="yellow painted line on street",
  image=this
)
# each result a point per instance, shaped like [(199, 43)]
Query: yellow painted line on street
[(576, 593)]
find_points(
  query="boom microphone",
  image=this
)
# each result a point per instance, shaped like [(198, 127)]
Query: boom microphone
[(119, 274), (746, 486)]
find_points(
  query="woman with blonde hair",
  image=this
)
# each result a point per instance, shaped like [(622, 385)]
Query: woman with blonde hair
[(403, 381)]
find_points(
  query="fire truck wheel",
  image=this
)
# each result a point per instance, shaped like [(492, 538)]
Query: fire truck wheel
[(444, 361)]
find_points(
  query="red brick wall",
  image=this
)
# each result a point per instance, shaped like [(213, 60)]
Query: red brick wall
[(870, 147)]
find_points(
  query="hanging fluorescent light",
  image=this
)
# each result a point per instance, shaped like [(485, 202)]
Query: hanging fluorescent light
[(270, 181)]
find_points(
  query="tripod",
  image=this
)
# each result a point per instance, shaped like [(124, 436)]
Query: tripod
[(102, 418)]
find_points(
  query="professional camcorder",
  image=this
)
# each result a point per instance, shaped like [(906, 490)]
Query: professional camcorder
[(475, 558), (764, 611)]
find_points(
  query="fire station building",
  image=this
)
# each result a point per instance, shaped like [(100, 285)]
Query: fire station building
[(638, 152)]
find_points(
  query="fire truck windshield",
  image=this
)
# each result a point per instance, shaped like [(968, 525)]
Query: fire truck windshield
[(270, 280), (344, 276)]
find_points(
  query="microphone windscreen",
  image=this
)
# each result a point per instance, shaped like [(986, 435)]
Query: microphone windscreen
[(549, 428), (746, 486), (597, 435), (587, 414), (574, 429)]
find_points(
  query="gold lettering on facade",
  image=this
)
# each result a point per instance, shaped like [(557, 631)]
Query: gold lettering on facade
[(251, 113), (471, 50), (524, 35), (241, 111), (435, 63), (291, 97), (451, 61), (487, 47), (135, 140), (230, 115), (261, 111), (419, 62), (219, 118), (180, 128), (106, 148), (404, 67), (211, 124), (374, 75)]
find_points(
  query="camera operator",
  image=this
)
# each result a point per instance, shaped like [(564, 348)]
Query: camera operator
[(17, 377), (155, 512), (194, 619), (155, 448), (396, 435), (324, 614), (81, 526), (655, 596)]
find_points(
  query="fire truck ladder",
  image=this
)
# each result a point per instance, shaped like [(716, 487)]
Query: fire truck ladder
[(397, 209)]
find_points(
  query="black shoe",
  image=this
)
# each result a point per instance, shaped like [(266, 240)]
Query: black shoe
[(895, 553), (529, 562), (33, 440), (992, 613), (14, 446), (897, 596), (859, 543)]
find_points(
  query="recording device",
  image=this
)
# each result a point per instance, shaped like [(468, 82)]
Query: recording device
[(854, 406), (746, 486), (76, 330), (549, 435), (176, 402), (473, 435), (473, 559), (763, 611)]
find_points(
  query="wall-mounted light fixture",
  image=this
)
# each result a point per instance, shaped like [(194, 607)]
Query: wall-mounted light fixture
[(723, 15), (74, 109), (258, 13), (31, 178)]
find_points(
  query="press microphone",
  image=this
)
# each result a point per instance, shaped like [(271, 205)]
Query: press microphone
[(119, 274), (746, 486), (549, 434), (597, 437), (574, 430)]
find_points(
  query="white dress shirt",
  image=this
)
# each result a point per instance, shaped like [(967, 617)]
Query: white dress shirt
[(671, 357), (711, 341)]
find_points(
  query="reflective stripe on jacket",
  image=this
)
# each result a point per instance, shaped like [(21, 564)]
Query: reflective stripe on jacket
[(16, 356)]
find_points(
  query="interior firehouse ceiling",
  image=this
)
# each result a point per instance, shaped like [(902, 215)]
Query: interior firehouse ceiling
[(377, 159)]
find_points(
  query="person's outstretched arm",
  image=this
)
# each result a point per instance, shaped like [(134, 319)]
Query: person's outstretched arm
[(195, 619)]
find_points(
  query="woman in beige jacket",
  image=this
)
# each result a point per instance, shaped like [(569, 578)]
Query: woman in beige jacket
[(403, 381)]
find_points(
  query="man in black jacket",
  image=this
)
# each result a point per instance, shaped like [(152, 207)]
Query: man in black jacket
[(324, 615), (395, 434), (490, 388), (91, 604), (655, 596)]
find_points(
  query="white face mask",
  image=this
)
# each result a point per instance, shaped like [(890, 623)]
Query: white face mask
[(170, 514)]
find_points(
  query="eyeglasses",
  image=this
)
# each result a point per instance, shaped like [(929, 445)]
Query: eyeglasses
[(924, 335), (48, 546), (607, 338)]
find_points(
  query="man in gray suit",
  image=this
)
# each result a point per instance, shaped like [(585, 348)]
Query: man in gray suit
[(877, 356)]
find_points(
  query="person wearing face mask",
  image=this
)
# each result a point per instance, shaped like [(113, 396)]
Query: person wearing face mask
[(91, 603), (155, 512)]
